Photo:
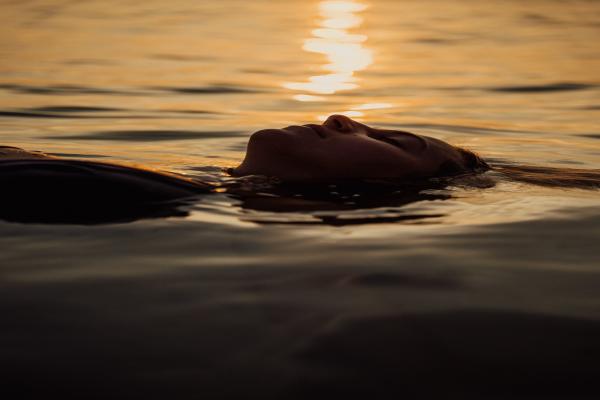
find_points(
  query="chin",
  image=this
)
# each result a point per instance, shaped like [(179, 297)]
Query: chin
[(268, 140)]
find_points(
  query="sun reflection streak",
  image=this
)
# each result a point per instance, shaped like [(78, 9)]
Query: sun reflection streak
[(344, 51)]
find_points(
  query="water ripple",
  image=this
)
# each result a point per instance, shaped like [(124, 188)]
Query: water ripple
[(551, 87), (25, 114), (453, 128), (150, 135), (414, 281), (79, 89), (75, 109), (214, 89), (590, 135), (56, 112), (81, 112), (60, 89)]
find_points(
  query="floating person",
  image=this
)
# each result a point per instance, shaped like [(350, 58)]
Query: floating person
[(41, 188), (342, 149)]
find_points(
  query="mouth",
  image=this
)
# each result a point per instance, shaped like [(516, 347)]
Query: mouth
[(318, 129), (306, 130)]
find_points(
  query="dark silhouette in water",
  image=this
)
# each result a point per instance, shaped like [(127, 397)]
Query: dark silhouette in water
[(339, 165), (330, 203), (43, 189), (342, 149)]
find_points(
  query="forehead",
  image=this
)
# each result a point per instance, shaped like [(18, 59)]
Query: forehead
[(442, 149), (438, 143)]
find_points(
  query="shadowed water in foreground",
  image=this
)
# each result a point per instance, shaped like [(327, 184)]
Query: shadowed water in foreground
[(411, 322), (465, 290)]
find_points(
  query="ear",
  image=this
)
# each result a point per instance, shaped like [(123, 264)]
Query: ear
[(472, 161), (449, 168)]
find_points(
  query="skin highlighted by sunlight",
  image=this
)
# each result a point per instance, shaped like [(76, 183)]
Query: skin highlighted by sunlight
[(344, 51), (349, 114)]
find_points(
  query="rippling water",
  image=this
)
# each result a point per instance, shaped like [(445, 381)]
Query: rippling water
[(469, 290)]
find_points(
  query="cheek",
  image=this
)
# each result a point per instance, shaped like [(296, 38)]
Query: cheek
[(354, 156)]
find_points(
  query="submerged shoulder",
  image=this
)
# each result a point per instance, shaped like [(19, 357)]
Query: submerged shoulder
[(45, 189), (23, 173)]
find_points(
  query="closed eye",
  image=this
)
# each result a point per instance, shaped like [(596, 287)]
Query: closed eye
[(404, 140), (392, 141), (389, 139)]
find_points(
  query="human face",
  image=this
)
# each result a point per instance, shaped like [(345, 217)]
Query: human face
[(342, 148)]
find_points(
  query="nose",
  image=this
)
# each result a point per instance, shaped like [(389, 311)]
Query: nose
[(339, 123)]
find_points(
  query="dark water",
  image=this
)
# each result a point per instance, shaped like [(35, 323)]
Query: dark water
[(461, 291)]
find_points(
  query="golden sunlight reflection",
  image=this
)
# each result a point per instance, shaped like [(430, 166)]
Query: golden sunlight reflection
[(308, 97), (373, 106), (344, 50)]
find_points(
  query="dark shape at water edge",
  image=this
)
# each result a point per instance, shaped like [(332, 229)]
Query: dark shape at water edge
[(86, 192), (341, 220), (27, 114), (278, 196), (338, 204), (81, 112), (75, 109), (77, 155), (435, 40), (150, 135), (405, 280), (533, 17), (551, 87), (59, 89), (38, 188), (67, 115), (215, 89), (69, 89), (590, 135), (180, 57), (201, 112)]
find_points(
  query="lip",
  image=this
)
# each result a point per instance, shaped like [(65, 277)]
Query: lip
[(318, 129), (305, 131)]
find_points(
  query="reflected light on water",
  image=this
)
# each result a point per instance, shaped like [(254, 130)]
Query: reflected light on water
[(308, 97), (373, 106), (344, 51)]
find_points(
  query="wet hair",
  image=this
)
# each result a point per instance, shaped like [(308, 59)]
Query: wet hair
[(471, 163), (552, 176)]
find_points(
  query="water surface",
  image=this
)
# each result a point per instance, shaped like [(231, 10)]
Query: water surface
[(490, 290)]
